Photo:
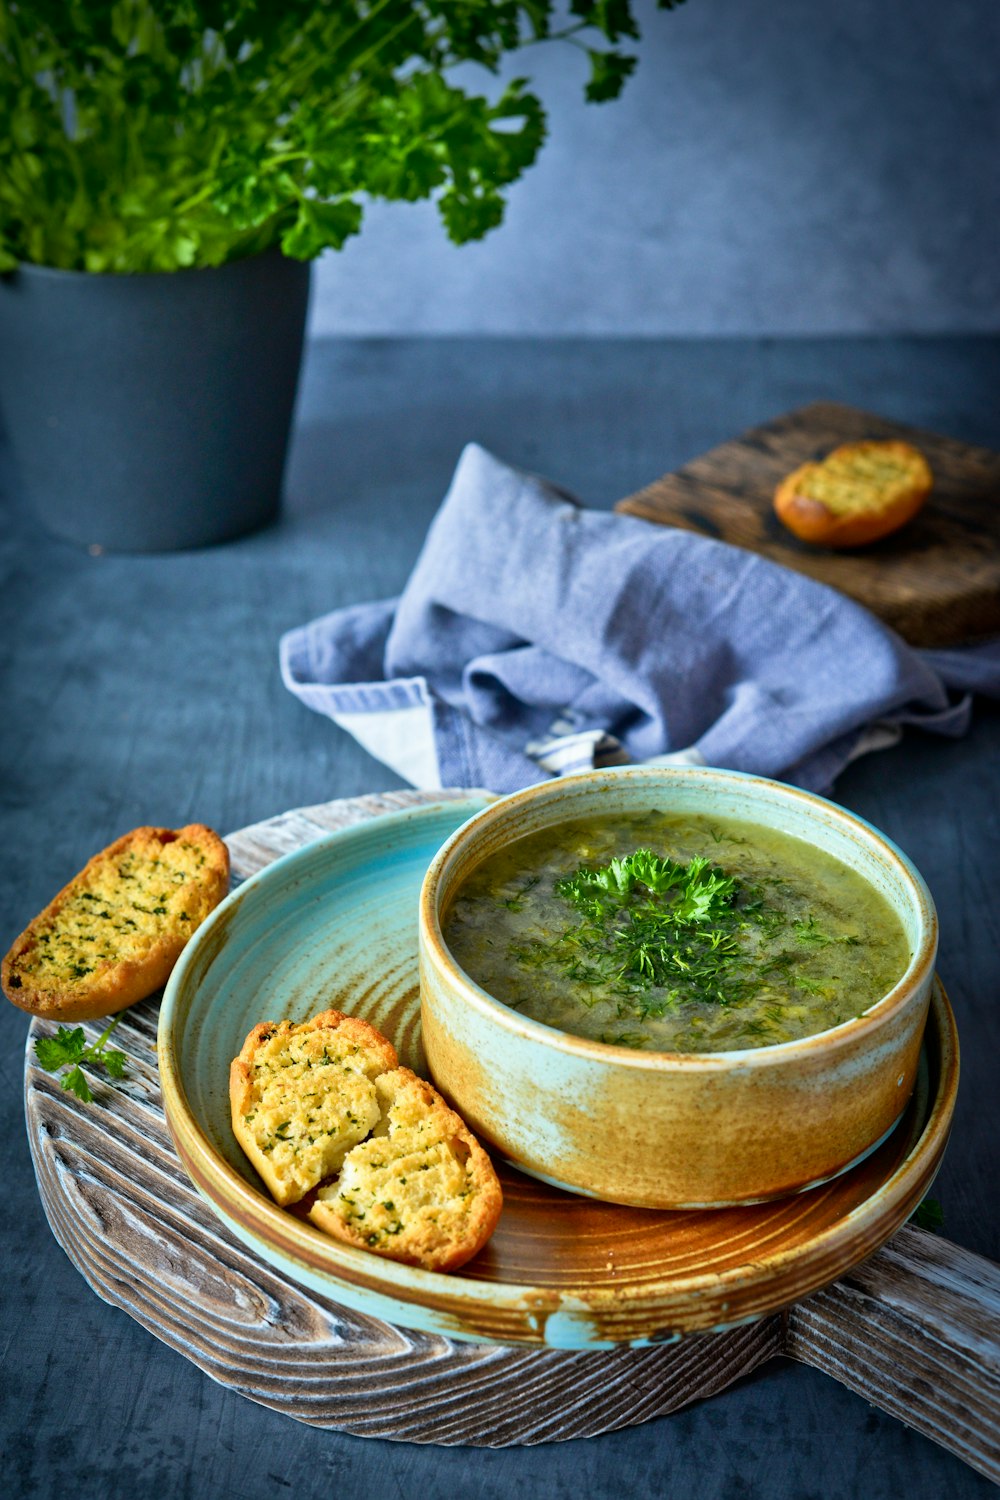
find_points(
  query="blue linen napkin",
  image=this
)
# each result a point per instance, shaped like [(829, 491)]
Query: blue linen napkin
[(535, 638)]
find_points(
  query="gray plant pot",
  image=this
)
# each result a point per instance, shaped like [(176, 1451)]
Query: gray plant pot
[(152, 412)]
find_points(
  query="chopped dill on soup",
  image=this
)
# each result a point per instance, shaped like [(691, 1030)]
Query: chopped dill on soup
[(675, 934)]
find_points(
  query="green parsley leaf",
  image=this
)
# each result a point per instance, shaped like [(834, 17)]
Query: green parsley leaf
[(54, 1052), (608, 72), (928, 1214), (67, 1050), (74, 1082), (148, 135), (115, 1062), (809, 932), (650, 922), (320, 226)]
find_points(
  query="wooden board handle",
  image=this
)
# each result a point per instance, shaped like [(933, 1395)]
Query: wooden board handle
[(916, 1331)]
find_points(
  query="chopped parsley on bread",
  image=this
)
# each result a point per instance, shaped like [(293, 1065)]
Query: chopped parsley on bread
[(323, 1108), (859, 493), (302, 1096), (113, 934), (421, 1189)]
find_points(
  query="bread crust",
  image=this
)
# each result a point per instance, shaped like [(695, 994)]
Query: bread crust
[(347, 1034), (112, 983), (869, 509)]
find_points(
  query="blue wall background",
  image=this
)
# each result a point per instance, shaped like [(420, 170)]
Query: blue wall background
[(774, 166)]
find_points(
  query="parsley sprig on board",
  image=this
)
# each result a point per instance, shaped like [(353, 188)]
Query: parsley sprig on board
[(68, 1050)]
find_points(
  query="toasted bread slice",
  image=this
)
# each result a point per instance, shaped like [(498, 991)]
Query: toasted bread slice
[(112, 936), (302, 1095), (420, 1190), (857, 494)]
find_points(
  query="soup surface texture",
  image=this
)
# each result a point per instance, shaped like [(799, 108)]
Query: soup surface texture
[(675, 933)]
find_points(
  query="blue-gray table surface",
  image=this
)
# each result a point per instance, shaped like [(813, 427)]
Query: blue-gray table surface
[(145, 690)]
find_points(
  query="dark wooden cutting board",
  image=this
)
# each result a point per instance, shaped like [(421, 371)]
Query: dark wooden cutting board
[(936, 581)]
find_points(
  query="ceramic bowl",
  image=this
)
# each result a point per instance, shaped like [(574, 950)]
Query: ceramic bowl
[(675, 1130)]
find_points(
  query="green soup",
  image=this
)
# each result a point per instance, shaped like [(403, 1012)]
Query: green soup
[(676, 934)]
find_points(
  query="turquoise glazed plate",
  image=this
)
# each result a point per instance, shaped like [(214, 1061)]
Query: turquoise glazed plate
[(335, 924)]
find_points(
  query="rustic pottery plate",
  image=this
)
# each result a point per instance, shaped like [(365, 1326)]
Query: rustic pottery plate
[(335, 924)]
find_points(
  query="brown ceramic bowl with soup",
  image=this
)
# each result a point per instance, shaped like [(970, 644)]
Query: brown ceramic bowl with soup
[(675, 987)]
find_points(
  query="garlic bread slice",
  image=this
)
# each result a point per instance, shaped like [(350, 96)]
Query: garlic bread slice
[(113, 934), (420, 1190), (302, 1095)]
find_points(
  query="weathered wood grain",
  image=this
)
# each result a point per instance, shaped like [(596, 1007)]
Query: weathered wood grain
[(916, 1329), (936, 581)]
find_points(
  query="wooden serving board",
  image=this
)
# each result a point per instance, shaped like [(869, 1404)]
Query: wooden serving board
[(936, 581), (915, 1329)]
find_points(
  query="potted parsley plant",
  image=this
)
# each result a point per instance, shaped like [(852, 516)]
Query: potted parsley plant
[(169, 168)]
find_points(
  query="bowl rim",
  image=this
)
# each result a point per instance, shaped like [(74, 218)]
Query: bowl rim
[(919, 972)]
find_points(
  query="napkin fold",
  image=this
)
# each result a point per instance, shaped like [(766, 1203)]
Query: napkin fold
[(535, 638)]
